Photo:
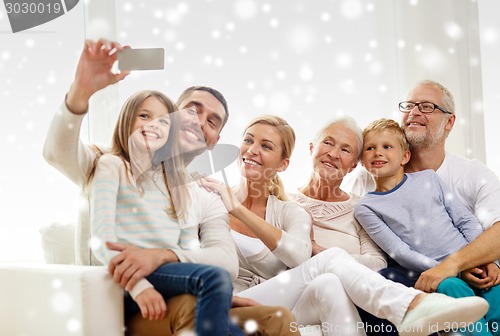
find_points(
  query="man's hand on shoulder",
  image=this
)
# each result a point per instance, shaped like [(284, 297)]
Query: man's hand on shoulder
[(134, 263)]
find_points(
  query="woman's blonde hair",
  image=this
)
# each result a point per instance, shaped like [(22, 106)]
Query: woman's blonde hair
[(287, 135), (170, 160)]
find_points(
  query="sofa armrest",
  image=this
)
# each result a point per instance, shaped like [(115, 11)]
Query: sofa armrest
[(43, 299)]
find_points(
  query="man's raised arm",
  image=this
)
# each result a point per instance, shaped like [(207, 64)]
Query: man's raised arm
[(63, 148)]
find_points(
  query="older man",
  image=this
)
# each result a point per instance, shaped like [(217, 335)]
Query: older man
[(473, 183), (428, 118)]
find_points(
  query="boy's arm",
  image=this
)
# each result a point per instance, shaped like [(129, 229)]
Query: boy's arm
[(396, 248)]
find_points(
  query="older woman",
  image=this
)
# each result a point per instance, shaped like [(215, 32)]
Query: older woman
[(335, 152), (272, 234)]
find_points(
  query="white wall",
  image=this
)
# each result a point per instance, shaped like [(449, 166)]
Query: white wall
[(490, 56), (307, 61), (36, 68)]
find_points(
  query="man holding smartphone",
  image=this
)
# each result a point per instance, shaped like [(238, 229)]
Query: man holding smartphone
[(64, 151)]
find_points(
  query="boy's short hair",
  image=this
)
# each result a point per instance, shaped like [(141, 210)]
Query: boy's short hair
[(391, 126)]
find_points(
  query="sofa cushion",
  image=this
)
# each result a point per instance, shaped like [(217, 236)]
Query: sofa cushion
[(48, 300), (58, 243)]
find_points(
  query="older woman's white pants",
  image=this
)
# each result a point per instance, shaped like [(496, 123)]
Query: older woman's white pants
[(323, 289)]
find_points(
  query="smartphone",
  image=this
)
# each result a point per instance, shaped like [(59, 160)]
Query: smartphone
[(141, 59)]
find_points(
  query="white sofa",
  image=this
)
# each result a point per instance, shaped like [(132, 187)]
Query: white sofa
[(60, 298), (49, 300)]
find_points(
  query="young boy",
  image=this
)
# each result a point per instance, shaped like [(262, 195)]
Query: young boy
[(415, 219)]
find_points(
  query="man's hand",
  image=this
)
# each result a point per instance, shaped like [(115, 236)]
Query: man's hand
[(493, 271), (482, 277), (430, 279), (243, 302), (93, 73), (152, 304), (134, 263)]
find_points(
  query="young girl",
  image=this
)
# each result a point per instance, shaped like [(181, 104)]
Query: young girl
[(140, 195), (272, 235)]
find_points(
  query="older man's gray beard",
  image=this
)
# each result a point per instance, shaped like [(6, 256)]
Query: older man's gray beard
[(426, 140)]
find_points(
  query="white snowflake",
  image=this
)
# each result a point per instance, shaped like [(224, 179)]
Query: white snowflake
[(274, 22), (180, 45), (251, 326), (128, 7), (432, 59), (245, 9), (344, 60), (30, 43), (183, 8), (216, 34), (351, 9), (453, 30), (301, 37), (259, 101), (73, 325), (306, 73), (95, 243), (489, 36), (61, 302), (56, 283), (279, 102), (281, 74), (218, 62)]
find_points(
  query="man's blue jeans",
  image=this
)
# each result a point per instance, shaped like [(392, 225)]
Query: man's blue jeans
[(212, 287)]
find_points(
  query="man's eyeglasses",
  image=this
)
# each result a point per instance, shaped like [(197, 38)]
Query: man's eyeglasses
[(424, 107)]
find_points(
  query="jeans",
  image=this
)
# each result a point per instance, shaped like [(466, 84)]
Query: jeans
[(212, 287)]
